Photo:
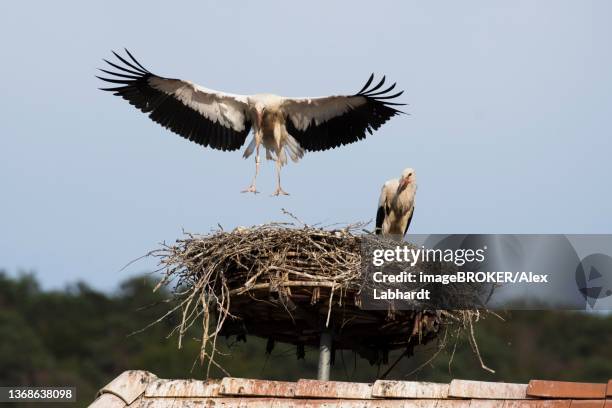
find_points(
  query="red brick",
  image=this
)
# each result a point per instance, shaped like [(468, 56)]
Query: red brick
[(588, 403), (534, 403), (248, 387), (182, 388), (486, 390), (409, 389), (562, 389), (333, 389), (486, 403), (449, 403)]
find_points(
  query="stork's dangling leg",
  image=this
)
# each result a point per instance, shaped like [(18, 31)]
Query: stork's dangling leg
[(279, 190), (251, 188)]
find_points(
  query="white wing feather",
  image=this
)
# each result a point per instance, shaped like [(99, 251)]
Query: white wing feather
[(226, 109), (306, 111)]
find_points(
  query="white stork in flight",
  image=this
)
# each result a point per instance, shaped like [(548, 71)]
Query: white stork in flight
[(396, 205), (285, 126)]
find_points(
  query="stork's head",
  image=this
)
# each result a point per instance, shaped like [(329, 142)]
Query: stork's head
[(263, 102), (260, 108), (408, 177)]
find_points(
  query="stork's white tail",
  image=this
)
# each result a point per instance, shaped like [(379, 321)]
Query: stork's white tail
[(250, 148), (293, 148)]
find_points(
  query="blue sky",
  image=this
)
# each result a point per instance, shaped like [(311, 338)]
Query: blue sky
[(509, 127)]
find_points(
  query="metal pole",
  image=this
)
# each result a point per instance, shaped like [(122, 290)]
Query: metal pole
[(325, 347)]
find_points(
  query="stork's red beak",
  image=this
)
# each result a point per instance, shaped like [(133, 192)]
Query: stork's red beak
[(404, 183)]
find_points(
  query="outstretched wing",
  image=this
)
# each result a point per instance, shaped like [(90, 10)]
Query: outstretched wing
[(207, 117), (329, 122)]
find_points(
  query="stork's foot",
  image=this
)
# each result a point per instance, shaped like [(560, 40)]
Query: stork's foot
[(251, 189), (279, 191)]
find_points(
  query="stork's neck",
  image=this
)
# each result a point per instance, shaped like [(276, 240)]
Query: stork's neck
[(404, 197)]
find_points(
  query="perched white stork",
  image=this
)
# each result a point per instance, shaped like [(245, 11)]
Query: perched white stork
[(396, 205), (285, 126)]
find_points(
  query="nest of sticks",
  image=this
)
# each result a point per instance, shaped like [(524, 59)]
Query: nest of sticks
[(288, 283)]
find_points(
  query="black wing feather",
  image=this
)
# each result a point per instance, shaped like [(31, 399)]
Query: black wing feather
[(168, 111), (354, 124), (409, 221), (380, 218)]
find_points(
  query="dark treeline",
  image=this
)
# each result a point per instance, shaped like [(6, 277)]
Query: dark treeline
[(81, 337)]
